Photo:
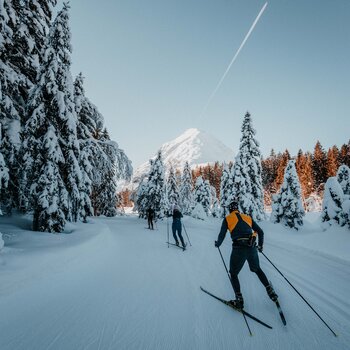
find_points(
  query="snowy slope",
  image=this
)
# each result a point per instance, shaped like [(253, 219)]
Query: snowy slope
[(194, 146), (114, 285)]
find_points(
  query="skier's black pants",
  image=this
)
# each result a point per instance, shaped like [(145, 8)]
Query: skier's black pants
[(238, 257), (177, 227), (150, 223)]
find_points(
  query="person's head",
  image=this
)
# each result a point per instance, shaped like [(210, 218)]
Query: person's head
[(233, 206)]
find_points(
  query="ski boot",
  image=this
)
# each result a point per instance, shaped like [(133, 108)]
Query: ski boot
[(238, 303), (177, 243), (271, 293)]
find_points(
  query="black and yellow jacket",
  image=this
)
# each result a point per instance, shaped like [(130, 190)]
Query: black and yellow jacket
[(241, 226)]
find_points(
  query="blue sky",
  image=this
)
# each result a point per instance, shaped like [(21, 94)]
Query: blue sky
[(151, 65)]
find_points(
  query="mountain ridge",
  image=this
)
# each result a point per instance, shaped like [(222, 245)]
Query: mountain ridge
[(193, 145)]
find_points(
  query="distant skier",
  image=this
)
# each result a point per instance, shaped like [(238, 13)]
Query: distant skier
[(243, 231), (150, 216), (177, 226)]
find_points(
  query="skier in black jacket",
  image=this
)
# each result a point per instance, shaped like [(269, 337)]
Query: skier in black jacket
[(150, 217), (243, 231), (177, 226)]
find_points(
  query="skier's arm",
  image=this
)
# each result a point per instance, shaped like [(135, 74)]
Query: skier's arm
[(222, 233), (260, 233)]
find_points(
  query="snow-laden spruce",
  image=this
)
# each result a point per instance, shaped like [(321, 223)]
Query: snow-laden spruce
[(51, 110), (214, 205), (343, 177), (226, 189), (198, 212), (287, 206), (50, 196), (140, 202), (250, 170), (172, 189), (202, 194), (241, 189), (155, 190), (11, 103), (4, 177), (332, 205), (186, 192), (86, 146), (249, 147)]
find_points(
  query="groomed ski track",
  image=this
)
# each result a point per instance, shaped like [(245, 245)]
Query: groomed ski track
[(121, 287)]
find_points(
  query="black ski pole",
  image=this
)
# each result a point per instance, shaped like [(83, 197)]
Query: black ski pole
[(299, 294), (187, 234), (245, 319)]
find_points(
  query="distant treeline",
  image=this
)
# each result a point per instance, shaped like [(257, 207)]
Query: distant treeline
[(313, 169)]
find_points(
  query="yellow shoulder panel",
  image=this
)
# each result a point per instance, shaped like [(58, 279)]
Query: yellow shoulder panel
[(247, 219), (231, 221)]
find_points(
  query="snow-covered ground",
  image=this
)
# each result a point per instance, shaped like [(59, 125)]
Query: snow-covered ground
[(112, 284)]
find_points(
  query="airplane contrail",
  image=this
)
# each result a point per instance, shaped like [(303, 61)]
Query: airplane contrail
[(234, 58)]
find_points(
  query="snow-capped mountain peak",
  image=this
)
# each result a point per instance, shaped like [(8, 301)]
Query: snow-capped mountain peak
[(194, 146)]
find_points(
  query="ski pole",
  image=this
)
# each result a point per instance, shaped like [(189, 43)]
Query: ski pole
[(245, 319), (187, 234), (299, 294)]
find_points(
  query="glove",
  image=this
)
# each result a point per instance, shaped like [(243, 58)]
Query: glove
[(260, 248), (216, 244)]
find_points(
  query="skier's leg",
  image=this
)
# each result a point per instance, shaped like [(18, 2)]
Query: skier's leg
[(236, 263), (179, 229), (254, 266), (173, 227)]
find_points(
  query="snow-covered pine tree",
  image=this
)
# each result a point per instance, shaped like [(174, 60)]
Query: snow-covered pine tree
[(50, 195), (186, 193), (156, 188), (27, 24), (4, 177), (51, 107), (106, 196), (141, 198), (63, 92), (207, 199), (241, 188), (172, 189), (333, 198), (251, 159), (202, 194), (226, 190), (287, 206), (343, 177), (33, 27), (87, 145), (11, 105), (215, 207)]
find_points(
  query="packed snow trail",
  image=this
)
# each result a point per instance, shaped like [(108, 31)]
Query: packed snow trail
[(118, 286)]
